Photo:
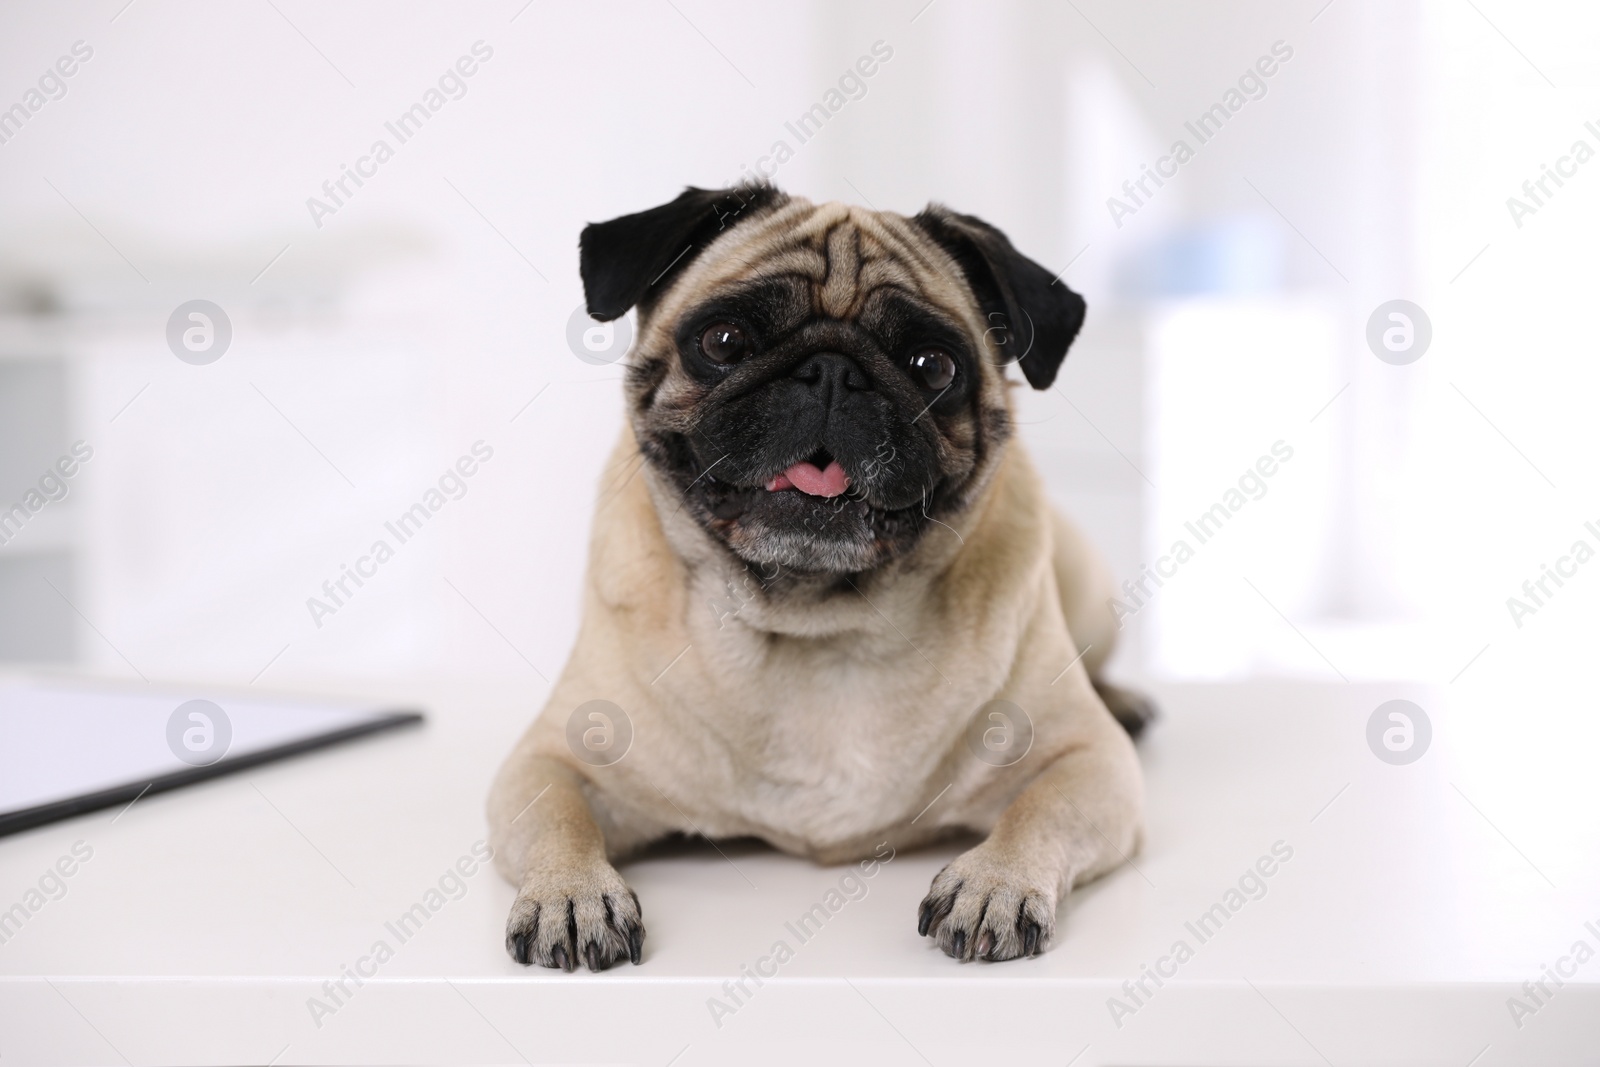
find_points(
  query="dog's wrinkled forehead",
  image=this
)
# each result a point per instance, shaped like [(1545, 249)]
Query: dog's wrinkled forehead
[(844, 256), (958, 266)]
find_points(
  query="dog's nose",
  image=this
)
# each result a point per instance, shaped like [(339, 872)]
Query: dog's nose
[(833, 375)]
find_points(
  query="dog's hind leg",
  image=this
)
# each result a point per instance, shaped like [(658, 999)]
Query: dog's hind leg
[(1084, 584)]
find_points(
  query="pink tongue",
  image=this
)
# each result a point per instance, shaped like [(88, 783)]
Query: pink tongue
[(830, 481)]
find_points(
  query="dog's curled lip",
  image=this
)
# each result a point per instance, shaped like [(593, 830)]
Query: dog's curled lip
[(706, 472), (858, 490), (826, 481)]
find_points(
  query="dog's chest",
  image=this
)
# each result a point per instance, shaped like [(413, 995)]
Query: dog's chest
[(826, 744)]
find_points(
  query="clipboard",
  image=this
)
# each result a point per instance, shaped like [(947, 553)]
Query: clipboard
[(68, 747)]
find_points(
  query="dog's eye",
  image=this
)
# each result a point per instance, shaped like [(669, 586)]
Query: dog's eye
[(934, 368), (723, 342)]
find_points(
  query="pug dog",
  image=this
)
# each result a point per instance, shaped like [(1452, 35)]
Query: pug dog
[(827, 597)]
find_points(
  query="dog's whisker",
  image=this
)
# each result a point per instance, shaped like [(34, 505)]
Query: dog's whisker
[(946, 525)]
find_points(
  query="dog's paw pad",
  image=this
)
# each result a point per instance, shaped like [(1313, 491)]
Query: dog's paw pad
[(564, 920), (983, 910)]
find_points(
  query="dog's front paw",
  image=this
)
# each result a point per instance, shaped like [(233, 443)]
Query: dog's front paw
[(982, 907), (571, 915)]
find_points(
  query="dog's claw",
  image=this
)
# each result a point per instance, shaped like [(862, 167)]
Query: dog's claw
[(934, 910), (960, 945), (591, 956), (559, 956), (635, 943), (1030, 939)]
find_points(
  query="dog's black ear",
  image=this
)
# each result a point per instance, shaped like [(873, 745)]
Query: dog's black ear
[(1032, 316), (630, 260)]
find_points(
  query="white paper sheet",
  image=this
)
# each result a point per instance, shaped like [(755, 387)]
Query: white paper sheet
[(63, 739)]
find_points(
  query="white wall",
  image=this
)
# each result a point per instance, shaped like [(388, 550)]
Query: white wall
[(426, 313)]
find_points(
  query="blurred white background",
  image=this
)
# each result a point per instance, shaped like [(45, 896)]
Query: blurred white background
[(374, 346)]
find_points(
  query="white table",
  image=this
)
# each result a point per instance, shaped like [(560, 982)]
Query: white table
[(1418, 899)]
